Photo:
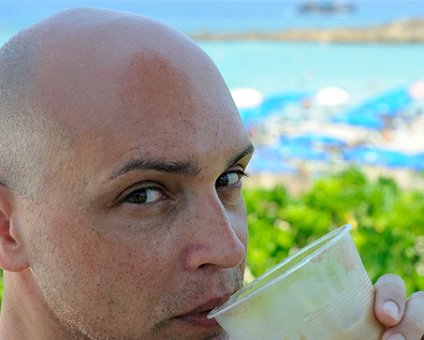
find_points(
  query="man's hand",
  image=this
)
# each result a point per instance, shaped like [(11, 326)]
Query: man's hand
[(404, 318)]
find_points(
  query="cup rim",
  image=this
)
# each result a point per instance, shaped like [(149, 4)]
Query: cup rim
[(229, 304)]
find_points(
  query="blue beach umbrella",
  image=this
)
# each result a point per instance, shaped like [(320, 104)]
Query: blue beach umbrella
[(397, 159), (419, 161), (301, 152), (382, 157), (271, 106), (268, 159), (315, 139), (361, 119), (390, 103), (369, 114), (420, 155)]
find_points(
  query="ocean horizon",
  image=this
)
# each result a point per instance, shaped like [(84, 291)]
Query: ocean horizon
[(218, 15)]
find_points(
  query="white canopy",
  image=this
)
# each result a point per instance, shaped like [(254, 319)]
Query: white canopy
[(247, 97)]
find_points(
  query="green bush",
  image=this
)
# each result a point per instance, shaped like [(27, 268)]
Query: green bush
[(388, 223)]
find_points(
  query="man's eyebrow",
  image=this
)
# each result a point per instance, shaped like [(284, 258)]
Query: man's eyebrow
[(245, 152), (186, 168)]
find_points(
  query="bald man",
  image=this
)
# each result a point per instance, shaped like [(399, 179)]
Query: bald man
[(121, 160)]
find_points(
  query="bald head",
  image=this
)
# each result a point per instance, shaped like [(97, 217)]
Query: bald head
[(80, 69)]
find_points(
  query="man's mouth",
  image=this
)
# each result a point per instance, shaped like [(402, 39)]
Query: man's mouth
[(198, 316)]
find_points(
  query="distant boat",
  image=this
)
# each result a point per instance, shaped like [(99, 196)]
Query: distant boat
[(326, 7)]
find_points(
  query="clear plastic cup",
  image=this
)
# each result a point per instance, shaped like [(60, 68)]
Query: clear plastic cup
[(320, 293)]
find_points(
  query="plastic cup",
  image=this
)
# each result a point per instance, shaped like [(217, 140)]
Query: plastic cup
[(322, 293)]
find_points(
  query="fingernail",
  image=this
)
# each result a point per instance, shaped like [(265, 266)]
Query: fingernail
[(396, 337), (391, 309)]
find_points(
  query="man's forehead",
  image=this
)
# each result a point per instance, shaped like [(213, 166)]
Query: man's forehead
[(178, 138)]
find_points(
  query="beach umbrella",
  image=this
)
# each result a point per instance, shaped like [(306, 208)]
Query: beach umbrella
[(364, 155), (362, 119), (331, 96), (382, 157), (302, 152), (397, 159), (371, 112), (416, 90), (419, 161), (247, 97), (268, 159), (389, 103), (261, 164), (316, 139), (271, 106), (349, 134), (393, 102)]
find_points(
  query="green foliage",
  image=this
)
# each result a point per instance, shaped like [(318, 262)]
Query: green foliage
[(388, 223)]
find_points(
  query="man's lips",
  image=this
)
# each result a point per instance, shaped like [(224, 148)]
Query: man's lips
[(198, 315)]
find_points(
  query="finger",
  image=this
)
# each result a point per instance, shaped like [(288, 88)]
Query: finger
[(412, 325), (390, 299)]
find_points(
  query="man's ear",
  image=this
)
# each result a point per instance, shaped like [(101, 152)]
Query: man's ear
[(12, 251)]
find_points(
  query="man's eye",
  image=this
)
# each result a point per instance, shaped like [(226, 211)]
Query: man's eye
[(145, 195), (230, 178)]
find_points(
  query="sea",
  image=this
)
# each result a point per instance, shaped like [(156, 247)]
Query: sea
[(363, 70)]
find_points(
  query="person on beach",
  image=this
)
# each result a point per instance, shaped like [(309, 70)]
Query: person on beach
[(121, 161)]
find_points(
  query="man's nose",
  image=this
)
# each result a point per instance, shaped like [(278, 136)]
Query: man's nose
[(219, 237)]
